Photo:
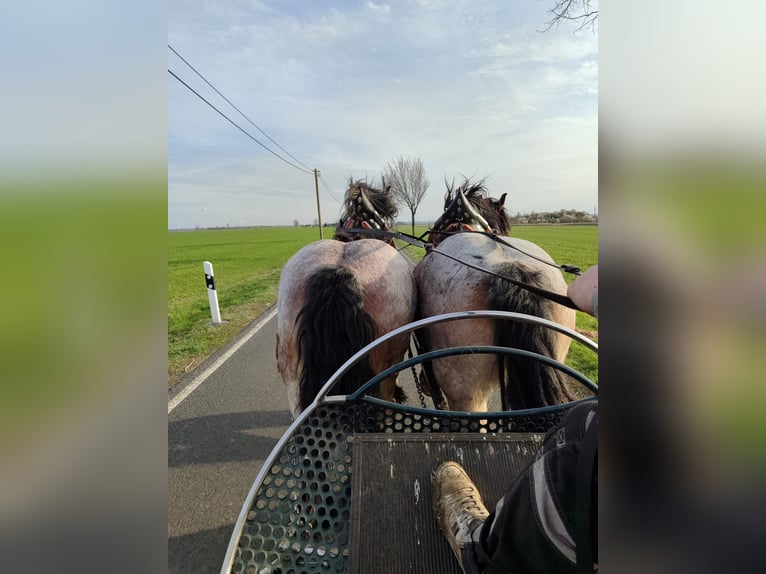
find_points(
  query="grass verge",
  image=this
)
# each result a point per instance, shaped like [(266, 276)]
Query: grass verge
[(247, 264)]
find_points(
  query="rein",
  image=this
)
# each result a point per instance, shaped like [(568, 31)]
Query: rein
[(429, 248), (564, 267)]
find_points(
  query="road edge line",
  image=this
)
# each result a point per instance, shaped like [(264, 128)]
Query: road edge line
[(203, 376)]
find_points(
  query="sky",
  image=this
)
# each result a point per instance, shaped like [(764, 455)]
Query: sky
[(470, 88)]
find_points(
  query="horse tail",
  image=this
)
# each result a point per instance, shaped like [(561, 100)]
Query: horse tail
[(525, 383), (332, 326)]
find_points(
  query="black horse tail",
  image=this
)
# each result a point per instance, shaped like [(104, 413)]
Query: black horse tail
[(525, 383), (332, 326)]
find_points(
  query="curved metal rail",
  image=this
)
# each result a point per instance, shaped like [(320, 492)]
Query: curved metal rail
[(295, 517), (472, 350), (448, 317)]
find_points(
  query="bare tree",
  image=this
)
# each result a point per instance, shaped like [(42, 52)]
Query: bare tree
[(408, 181), (581, 12)]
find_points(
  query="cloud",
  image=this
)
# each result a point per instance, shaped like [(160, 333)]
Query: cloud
[(347, 89), (378, 7)]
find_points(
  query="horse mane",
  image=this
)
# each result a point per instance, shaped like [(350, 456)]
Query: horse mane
[(381, 199), (488, 207)]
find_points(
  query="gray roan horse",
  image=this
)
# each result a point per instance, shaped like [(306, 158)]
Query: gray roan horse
[(445, 285), (337, 295)]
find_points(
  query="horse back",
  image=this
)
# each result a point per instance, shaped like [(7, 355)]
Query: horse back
[(446, 284), (333, 299)]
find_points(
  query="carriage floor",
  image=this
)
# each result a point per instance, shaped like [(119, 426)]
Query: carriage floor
[(393, 528)]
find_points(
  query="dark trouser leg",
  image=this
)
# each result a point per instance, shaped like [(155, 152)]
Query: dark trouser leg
[(532, 528)]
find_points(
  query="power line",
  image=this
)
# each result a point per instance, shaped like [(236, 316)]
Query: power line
[(236, 108), (232, 122), (327, 187)]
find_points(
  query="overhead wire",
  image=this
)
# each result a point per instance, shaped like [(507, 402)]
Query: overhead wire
[(327, 187), (235, 107), (232, 122), (307, 170)]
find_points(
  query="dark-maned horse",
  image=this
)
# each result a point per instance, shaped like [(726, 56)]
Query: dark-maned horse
[(445, 285), (337, 295)]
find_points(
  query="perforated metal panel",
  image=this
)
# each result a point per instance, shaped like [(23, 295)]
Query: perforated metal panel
[(393, 526), (299, 520)]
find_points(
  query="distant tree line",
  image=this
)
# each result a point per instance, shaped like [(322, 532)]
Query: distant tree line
[(534, 217), (560, 216)]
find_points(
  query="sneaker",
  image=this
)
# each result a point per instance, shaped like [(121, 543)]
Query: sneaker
[(458, 507)]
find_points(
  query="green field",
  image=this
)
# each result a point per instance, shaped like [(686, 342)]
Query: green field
[(247, 263)]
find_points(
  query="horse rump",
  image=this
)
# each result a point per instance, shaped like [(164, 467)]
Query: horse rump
[(332, 326), (525, 383)]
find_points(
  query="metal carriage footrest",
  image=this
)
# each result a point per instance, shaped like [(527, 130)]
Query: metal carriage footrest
[(317, 483), (393, 527)]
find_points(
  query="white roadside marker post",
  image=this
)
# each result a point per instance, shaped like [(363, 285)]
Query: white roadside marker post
[(212, 294)]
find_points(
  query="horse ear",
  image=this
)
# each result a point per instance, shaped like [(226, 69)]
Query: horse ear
[(501, 203), (388, 188)]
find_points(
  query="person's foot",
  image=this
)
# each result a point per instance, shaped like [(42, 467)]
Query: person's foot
[(458, 506)]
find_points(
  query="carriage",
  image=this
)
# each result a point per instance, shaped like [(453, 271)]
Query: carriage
[(348, 486)]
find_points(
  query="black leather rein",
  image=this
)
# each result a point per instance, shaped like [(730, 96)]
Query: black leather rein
[(429, 248)]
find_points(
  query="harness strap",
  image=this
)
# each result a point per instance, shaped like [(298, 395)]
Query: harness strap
[(407, 238), (555, 297), (568, 268), (427, 372), (462, 213)]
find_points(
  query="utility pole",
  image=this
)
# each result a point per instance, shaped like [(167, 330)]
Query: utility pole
[(319, 213)]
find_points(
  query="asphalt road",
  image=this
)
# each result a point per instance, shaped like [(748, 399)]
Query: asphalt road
[(220, 431), (218, 437)]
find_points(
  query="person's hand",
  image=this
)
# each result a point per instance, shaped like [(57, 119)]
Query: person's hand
[(584, 290)]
